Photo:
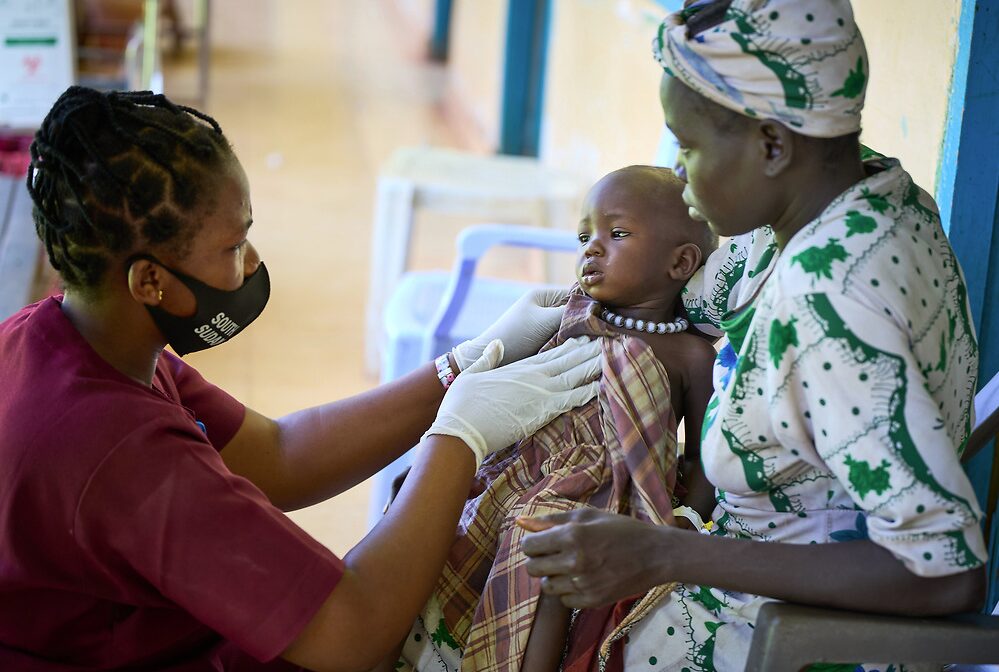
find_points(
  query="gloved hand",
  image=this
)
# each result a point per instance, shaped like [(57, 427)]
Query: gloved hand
[(491, 408), (524, 328)]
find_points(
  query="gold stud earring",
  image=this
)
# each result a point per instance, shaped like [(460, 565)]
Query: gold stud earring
[(161, 295)]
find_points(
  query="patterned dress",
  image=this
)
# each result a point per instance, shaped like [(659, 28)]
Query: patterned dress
[(842, 404)]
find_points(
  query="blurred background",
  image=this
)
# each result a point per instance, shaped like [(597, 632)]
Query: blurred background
[(319, 96)]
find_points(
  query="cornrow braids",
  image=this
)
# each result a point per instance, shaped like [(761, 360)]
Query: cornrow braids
[(110, 171)]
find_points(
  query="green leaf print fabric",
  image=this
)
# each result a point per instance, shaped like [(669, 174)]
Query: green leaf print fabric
[(728, 279), (841, 414), (803, 63)]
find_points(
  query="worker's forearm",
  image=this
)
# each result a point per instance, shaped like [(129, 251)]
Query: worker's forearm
[(858, 575), (391, 572), (402, 557), (329, 449)]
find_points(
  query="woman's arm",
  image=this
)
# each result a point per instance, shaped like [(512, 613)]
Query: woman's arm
[(858, 575), (391, 572), (615, 556), (309, 456)]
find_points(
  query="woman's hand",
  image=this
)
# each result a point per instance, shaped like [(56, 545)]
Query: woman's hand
[(490, 408), (591, 558), (526, 326)]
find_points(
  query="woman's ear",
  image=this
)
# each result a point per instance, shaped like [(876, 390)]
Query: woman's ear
[(145, 282), (776, 144), (684, 260)]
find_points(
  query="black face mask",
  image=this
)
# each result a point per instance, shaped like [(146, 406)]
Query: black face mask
[(220, 314)]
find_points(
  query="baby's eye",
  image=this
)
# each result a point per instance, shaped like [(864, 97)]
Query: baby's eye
[(584, 237), (619, 233)]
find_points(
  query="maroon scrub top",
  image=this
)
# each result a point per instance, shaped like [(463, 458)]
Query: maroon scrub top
[(124, 540)]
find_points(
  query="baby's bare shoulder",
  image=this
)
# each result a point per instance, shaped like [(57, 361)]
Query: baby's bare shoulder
[(681, 349)]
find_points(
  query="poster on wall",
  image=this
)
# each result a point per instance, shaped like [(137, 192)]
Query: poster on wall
[(36, 59)]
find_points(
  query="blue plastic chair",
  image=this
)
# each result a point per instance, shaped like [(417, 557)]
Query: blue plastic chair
[(426, 314)]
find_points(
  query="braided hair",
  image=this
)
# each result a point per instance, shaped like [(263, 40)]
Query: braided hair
[(113, 171)]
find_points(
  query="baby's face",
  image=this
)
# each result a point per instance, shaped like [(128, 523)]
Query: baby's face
[(623, 245)]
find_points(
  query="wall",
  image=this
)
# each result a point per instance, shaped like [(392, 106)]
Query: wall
[(602, 107), (475, 70), (911, 46), (601, 104)]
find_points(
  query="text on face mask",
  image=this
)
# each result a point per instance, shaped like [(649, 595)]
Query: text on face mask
[(220, 329)]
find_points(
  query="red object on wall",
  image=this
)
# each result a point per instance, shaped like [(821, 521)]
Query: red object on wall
[(14, 154)]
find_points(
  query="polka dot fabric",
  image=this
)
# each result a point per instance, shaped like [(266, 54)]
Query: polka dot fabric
[(802, 62), (842, 403)]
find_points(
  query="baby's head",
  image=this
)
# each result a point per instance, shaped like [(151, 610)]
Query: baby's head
[(638, 244)]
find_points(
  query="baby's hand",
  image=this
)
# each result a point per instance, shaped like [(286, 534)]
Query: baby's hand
[(532, 524)]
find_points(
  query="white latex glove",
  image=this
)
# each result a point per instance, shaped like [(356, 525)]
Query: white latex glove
[(525, 326), (491, 408)]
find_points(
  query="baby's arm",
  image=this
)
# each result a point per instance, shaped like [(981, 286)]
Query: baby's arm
[(547, 640), (696, 394), (551, 622)]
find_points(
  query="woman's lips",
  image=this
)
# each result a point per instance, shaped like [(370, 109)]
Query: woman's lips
[(692, 211), (695, 214)]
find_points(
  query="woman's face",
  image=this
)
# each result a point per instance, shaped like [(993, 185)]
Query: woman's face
[(220, 254), (725, 185), (623, 245)]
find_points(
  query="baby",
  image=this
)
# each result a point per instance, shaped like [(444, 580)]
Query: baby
[(638, 247)]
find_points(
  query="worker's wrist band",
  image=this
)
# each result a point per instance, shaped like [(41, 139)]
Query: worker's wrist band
[(444, 372)]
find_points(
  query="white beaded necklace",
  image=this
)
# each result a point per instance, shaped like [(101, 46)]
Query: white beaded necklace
[(674, 327)]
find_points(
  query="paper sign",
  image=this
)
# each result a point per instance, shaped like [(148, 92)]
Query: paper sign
[(36, 59)]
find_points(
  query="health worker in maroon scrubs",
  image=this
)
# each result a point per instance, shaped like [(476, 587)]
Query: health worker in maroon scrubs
[(141, 522)]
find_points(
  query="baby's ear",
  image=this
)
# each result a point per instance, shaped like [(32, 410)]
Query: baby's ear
[(684, 260)]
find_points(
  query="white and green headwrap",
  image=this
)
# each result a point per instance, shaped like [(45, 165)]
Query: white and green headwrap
[(802, 62)]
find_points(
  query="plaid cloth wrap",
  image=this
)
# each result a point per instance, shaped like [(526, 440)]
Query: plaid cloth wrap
[(616, 453)]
